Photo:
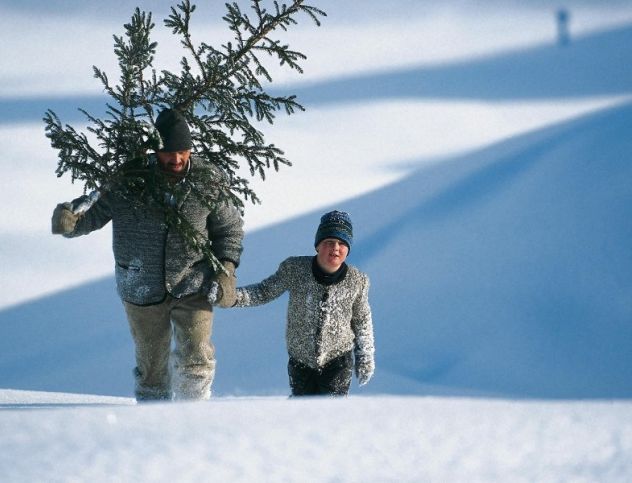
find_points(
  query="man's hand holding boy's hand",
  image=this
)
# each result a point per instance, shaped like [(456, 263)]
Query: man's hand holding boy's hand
[(222, 291), (364, 368)]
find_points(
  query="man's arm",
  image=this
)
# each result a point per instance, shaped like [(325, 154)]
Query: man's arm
[(70, 224), (225, 229), (226, 233)]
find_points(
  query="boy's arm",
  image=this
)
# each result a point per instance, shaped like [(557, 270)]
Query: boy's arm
[(264, 291), (362, 325)]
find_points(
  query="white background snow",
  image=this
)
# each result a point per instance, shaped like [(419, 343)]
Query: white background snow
[(487, 171)]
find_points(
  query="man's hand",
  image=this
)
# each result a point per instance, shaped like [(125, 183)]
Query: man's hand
[(364, 368), (64, 220), (222, 290)]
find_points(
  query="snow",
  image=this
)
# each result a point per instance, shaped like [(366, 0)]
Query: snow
[(356, 439), (491, 205), (13, 399)]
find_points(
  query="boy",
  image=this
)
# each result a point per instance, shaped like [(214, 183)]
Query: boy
[(329, 319)]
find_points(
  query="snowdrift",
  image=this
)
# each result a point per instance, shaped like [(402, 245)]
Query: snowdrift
[(503, 272), (546, 71), (276, 439)]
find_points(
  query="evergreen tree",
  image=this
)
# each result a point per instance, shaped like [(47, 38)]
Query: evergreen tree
[(220, 92)]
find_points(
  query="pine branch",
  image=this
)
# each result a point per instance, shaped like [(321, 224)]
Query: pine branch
[(237, 60), (218, 90)]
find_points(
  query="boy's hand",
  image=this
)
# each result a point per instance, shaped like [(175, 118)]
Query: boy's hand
[(364, 368), (64, 220)]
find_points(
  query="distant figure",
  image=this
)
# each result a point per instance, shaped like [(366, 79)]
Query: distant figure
[(563, 35)]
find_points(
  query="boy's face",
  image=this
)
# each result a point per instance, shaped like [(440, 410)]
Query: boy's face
[(331, 254)]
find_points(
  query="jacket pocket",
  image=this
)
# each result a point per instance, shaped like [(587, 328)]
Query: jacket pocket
[(134, 265)]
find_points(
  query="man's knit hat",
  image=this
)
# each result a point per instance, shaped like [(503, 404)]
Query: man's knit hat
[(174, 131), (335, 224)]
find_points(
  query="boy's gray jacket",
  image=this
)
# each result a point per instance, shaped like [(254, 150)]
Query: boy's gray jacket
[(151, 259), (323, 322)]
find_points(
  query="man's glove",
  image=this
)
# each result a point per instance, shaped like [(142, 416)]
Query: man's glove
[(222, 290), (64, 220), (364, 368)]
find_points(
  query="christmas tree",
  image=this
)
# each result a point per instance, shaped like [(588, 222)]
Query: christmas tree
[(220, 92)]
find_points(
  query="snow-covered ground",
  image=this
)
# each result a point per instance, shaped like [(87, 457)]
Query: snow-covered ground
[(385, 439), (487, 172)]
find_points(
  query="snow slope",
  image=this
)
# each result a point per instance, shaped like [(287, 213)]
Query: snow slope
[(543, 71), (504, 272), (377, 140), (381, 439), (495, 229)]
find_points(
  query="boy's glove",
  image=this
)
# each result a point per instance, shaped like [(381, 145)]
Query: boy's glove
[(222, 290), (364, 368), (64, 220)]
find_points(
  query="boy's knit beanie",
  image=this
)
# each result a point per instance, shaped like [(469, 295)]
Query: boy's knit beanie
[(174, 131), (335, 224)]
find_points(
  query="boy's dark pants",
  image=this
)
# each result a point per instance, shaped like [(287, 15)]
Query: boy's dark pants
[(333, 379)]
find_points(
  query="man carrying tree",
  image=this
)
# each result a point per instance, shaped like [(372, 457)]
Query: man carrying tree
[(166, 286), (176, 216)]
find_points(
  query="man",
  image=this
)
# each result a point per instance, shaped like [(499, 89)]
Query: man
[(166, 286)]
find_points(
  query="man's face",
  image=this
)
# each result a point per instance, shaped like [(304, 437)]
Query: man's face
[(175, 162), (331, 254)]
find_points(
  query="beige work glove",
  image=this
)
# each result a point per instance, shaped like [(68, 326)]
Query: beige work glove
[(64, 220), (222, 292)]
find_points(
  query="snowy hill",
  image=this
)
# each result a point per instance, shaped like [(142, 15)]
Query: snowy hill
[(540, 72), (488, 174), (544, 71), (502, 272), (381, 439)]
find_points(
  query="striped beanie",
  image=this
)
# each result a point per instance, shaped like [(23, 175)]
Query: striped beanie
[(335, 224)]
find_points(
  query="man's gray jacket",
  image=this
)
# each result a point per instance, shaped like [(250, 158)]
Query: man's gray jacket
[(152, 259)]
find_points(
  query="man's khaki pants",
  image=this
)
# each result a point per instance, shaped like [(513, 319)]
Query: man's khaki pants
[(189, 372)]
